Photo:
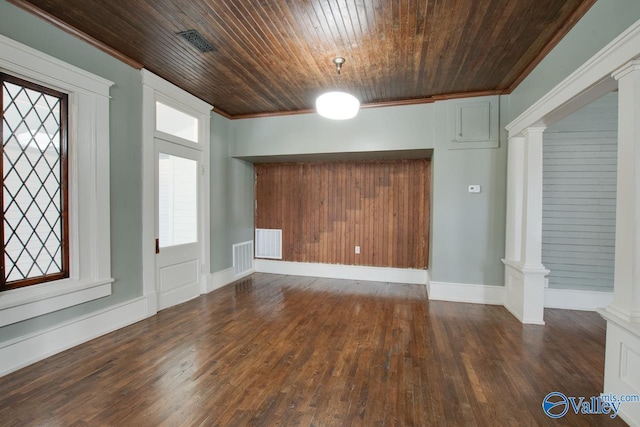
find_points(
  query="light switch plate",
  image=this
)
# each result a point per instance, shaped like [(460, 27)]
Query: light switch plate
[(474, 188)]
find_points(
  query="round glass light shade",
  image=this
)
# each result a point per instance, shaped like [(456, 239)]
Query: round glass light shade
[(337, 105)]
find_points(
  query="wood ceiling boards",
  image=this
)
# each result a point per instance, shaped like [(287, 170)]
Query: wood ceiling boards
[(275, 57)]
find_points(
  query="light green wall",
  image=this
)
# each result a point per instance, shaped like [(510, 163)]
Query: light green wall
[(231, 196), (374, 129), (125, 157), (601, 24), (467, 229)]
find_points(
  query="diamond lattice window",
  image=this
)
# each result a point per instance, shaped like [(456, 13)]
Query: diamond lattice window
[(34, 184)]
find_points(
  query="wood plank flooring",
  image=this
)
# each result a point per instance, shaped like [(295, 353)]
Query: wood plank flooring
[(274, 350)]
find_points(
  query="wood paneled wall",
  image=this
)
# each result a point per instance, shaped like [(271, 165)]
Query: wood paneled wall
[(325, 209)]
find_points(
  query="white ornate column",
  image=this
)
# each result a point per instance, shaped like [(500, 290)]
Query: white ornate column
[(524, 272), (622, 354)]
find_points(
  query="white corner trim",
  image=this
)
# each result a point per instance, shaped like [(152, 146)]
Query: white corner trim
[(25, 350), (597, 69), (463, 292), (337, 271), (570, 299)]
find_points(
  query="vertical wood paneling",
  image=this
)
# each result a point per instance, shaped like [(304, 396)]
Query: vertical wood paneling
[(325, 209)]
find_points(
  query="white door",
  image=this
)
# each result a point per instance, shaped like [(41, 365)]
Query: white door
[(178, 223)]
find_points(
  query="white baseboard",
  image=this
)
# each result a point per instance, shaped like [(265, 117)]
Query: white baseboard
[(569, 299), (224, 277), (461, 292), (337, 271), (220, 279), (25, 350)]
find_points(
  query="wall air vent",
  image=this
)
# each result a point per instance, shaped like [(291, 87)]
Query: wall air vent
[(242, 258), (268, 243), (197, 41)]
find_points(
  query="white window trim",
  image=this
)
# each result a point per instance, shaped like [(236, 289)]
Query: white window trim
[(154, 89), (89, 214)]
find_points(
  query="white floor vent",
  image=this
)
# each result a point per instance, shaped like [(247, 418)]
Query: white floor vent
[(242, 258), (268, 243)]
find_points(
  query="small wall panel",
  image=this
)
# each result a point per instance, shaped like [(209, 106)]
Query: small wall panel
[(326, 209)]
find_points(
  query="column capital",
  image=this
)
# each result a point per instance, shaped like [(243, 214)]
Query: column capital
[(533, 130), (627, 68)]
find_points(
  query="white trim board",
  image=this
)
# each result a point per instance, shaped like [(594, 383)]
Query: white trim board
[(337, 271), (222, 278), (566, 299), (20, 352), (570, 299), (463, 292)]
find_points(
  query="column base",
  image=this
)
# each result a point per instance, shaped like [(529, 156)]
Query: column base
[(524, 291), (622, 363)]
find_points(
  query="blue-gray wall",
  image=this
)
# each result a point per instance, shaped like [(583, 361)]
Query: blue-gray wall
[(231, 196), (125, 144)]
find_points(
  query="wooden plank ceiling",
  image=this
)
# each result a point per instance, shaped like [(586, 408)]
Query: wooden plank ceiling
[(275, 56)]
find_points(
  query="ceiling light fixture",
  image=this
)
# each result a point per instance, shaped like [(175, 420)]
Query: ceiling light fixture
[(337, 105)]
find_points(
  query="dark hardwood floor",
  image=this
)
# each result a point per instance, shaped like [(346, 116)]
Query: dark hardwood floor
[(275, 350)]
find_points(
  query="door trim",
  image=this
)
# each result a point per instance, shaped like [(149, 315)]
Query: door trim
[(154, 88)]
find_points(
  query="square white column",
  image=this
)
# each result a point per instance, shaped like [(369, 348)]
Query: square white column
[(626, 295), (622, 352), (524, 272)]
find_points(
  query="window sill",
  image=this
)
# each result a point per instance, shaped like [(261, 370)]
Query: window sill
[(25, 303)]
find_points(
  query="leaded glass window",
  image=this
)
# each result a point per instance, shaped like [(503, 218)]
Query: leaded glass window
[(34, 184)]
